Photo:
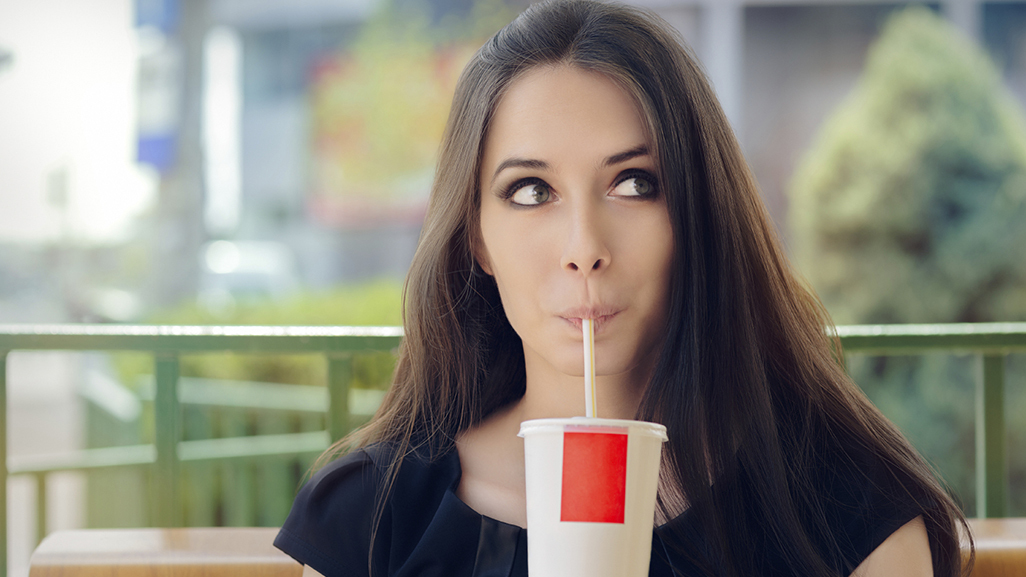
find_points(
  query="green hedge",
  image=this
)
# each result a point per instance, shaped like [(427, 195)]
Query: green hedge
[(371, 304)]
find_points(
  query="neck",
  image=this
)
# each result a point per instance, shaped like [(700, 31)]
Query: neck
[(551, 393)]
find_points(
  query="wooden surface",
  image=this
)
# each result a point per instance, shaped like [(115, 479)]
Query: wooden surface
[(1000, 547), (239, 552), (206, 552)]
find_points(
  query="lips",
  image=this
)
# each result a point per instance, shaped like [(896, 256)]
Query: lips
[(601, 314)]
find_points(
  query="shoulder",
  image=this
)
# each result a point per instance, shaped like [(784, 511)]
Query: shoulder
[(332, 517), (336, 513), (874, 508), (904, 552), (352, 475)]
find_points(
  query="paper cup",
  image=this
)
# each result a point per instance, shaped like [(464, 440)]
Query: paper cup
[(591, 490)]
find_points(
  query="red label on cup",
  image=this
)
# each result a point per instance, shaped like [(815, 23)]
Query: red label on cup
[(594, 477)]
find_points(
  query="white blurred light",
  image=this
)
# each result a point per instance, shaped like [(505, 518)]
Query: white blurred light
[(223, 257), (117, 305), (222, 104), (69, 101)]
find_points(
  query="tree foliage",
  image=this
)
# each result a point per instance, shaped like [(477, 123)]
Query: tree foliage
[(379, 108), (910, 205)]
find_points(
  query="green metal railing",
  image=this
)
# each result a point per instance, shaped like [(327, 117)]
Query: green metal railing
[(991, 342), (166, 344)]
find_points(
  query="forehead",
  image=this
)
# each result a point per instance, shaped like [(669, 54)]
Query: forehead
[(563, 112)]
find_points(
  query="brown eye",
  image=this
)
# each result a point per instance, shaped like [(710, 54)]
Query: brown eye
[(531, 194)]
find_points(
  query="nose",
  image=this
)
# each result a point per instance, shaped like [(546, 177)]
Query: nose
[(586, 247)]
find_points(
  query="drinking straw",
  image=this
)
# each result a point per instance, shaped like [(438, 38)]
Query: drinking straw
[(588, 327)]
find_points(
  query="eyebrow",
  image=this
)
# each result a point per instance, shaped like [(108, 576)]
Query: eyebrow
[(522, 163), (613, 160), (625, 156)]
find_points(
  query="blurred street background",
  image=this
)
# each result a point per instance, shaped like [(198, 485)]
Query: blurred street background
[(268, 162)]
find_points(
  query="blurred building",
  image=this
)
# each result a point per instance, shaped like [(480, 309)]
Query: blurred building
[(779, 69), (224, 116)]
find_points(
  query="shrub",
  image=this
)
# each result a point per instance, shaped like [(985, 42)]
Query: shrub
[(910, 204), (372, 304), (910, 207)]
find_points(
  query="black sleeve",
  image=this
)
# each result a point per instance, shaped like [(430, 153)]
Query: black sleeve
[(329, 526), (868, 505)]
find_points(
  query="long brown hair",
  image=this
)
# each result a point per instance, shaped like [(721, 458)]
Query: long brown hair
[(748, 377)]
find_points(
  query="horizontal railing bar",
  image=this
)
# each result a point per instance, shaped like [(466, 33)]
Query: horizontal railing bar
[(258, 446), (199, 339), (894, 340), (289, 444), (262, 395), (873, 339), (243, 394), (83, 460)]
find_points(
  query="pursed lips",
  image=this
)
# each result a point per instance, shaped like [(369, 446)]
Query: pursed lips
[(601, 315)]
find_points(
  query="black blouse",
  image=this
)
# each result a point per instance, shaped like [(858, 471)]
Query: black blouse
[(427, 531)]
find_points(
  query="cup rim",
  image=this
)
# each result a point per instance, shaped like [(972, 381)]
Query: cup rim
[(553, 425)]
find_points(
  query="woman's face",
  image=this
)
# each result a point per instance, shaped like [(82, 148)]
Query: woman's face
[(573, 221)]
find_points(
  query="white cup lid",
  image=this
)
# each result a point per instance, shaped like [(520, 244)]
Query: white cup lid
[(558, 425)]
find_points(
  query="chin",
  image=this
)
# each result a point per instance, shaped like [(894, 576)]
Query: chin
[(605, 368)]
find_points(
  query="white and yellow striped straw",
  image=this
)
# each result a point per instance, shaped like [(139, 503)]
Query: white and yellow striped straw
[(588, 328)]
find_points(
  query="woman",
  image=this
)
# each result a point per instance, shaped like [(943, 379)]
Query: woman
[(588, 171)]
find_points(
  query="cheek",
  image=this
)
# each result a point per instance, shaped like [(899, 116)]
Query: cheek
[(516, 273), (516, 293), (521, 264), (515, 251), (666, 260), (502, 258), (658, 252)]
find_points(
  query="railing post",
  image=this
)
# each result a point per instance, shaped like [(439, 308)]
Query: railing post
[(167, 419), (991, 454), (40, 507), (3, 463), (340, 373)]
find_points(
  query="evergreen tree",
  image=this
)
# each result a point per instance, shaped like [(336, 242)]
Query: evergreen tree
[(910, 207), (911, 204)]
